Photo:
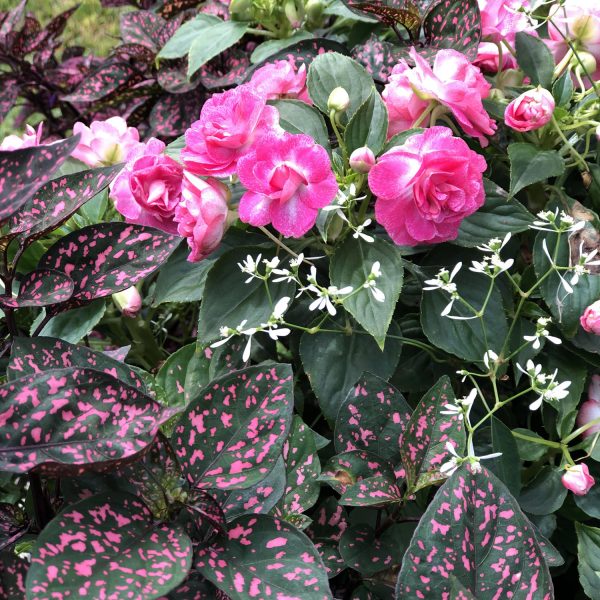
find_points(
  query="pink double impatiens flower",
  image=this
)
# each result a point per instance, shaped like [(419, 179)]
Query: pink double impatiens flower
[(281, 79), (531, 110)]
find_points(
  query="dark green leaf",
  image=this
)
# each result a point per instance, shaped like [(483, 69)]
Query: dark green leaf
[(368, 126), (588, 553), (535, 59), (529, 164), (545, 494), (299, 117)]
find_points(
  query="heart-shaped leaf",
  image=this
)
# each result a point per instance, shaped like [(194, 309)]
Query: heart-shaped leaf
[(107, 258), (73, 420), (41, 287), (108, 546), (231, 435)]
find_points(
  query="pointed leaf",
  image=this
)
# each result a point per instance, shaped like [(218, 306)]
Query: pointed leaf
[(73, 420), (289, 564), (535, 59), (231, 435), (487, 544), (379, 490), (298, 117), (529, 164), (368, 126), (41, 287), (107, 258), (378, 57), (423, 446), (108, 546), (13, 571), (588, 553)]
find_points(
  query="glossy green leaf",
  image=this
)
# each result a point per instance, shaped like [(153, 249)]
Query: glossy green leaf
[(368, 126), (529, 164), (298, 117), (535, 59)]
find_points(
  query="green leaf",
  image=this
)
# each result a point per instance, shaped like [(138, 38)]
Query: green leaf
[(228, 300), (179, 45), (497, 217), (506, 467), (368, 126), (529, 164), (299, 117), (73, 325), (535, 59), (104, 545), (334, 361), (212, 40), (545, 494), (331, 70), (351, 265), (562, 90), (588, 553), (590, 502), (262, 52), (529, 450)]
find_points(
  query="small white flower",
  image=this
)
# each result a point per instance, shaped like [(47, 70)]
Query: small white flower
[(358, 232), (250, 266), (490, 355), (276, 332), (297, 261), (284, 275), (563, 281), (280, 308), (495, 245), (452, 464), (273, 263), (541, 332)]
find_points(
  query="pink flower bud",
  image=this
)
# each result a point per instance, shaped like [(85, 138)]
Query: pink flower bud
[(129, 302), (31, 137), (590, 409), (531, 110), (590, 319), (577, 478), (362, 159)]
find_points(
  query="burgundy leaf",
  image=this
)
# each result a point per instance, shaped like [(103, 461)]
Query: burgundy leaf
[(107, 258), (31, 28), (170, 8), (172, 77), (74, 420), (135, 51), (378, 57), (29, 356), (142, 27), (23, 171), (142, 4), (232, 434), (390, 12), (58, 199), (227, 69), (52, 30), (11, 20), (13, 571), (41, 287), (474, 542), (108, 546), (9, 91), (203, 511), (263, 557), (172, 114), (12, 525)]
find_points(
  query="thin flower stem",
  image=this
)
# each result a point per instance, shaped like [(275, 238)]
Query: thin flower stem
[(574, 153), (581, 430), (535, 440)]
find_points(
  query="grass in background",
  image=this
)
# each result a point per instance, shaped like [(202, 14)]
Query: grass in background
[(94, 27)]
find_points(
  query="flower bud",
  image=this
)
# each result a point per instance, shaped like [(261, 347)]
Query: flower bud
[(314, 12), (590, 409), (241, 10), (129, 302), (497, 94), (577, 479), (590, 319), (294, 11), (362, 159), (509, 78), (531, 110), (338, 100), (586, 62)]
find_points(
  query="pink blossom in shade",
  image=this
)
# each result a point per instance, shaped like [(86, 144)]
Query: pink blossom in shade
[(426, 187), (590, 409), (281, 80), (579, 22), (590, 319), (228, 126), (105, 143), (148, 189), (531, 110), (31, 137), (288, 178), (128, 301), (577, 479), (201, 215)]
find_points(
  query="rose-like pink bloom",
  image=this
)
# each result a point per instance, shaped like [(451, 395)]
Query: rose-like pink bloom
[(105, 143), (148, 189), (128, 301), (590, 409), (590, 319), (579, 21), (281, 80), (201, 216), (228, 126), (426, 187), (362, 160), (531, 110), (31, 137), (577, 479), (288, 178), (453, 82)]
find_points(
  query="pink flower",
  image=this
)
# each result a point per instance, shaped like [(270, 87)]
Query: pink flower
[(362, 160), (426, 187), (281, 80), (577, 479), (201, 216), (288, 178), (148, 189), (228, 126), (590, 319), (531, 110), (128, 301), (453, 82), (31, 137), (590, 409), (105, 143)]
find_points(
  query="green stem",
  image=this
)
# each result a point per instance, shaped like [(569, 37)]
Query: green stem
[(574, 153), (540, 441)]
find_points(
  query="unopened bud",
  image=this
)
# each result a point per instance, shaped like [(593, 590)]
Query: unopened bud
[(294, 11), (314, 11), (362, 160), (129, 302), (587, 62), (338, 100), (497, 94), (509, 78), (240, 10)]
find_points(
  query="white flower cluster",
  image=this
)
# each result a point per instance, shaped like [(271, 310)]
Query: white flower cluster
[(541, 333), (544, 384)]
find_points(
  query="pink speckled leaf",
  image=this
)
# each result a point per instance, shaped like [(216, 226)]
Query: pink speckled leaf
[(329, 523), (142, 27), (73, 420), (390, 12), (474, 539), (231, 436), (378, 57), (58, 199), (34, 355), (13, 571), (107, 258), (373, 417), (170, 8), (206, 517), (23, 171), (227, 69), (41, 287), (423, 445), (172, 114), (9, 92), (13, 524), (263, 557), (379, 490), (108, 546)]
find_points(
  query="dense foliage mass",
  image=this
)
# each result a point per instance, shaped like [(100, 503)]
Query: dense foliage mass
[(301, 300)]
